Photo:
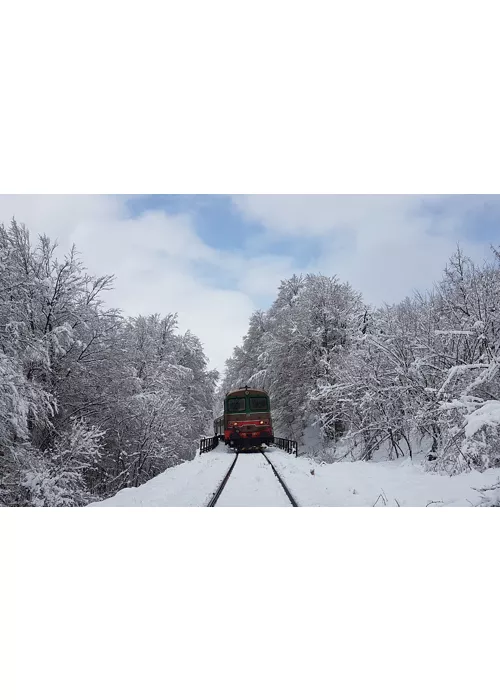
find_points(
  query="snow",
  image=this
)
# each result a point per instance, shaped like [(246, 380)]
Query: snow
[(400, 482), (488, 414), (403, 481), (191, 483), (253, 483), (455, 332)]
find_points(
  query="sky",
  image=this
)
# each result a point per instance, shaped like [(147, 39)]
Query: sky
[(214, 259)]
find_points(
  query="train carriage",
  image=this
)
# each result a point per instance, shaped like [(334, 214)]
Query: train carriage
[(246, 421)]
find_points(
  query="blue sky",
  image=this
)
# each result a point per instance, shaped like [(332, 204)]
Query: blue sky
[(215, 259), (220, 224)]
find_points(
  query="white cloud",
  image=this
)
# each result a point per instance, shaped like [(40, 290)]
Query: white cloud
[(317, 215), (384, 245), (257, 275), (152, 256)]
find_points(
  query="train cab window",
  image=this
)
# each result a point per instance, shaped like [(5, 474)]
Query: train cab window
[(236, 405), (258, 403)]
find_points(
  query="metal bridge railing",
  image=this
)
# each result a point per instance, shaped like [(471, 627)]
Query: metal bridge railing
[(289, 446), (208, 444)]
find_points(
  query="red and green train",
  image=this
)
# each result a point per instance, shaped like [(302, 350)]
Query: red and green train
[(246, 421)]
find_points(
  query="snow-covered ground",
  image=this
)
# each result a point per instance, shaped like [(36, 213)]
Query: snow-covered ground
[(189, 484), (391, 483), (252, 483)]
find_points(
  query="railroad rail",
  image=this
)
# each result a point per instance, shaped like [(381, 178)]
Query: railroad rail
[(216, 495), (280, 479), (224, 481)]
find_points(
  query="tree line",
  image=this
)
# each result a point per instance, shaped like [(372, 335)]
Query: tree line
[(349, 380), (90, 401)]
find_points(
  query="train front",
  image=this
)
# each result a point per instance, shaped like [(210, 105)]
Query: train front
[(247, 419)]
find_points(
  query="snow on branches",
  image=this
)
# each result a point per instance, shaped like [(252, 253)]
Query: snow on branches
[(421, 375), (90, 402)]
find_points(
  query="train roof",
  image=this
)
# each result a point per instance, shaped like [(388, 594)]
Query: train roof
[(246, 390)]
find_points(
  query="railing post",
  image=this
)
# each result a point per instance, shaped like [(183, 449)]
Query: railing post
[(290, 446), (207, 444)]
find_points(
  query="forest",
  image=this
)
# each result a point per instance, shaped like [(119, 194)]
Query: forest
[(351, 381), (91, 402)]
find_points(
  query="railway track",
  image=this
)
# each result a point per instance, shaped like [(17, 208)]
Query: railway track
[(224, 481), (220, 489)]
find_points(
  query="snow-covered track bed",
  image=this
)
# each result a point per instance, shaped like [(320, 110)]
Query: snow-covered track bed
[(280, 479), (215, 497), (252, 480), (188, 484)]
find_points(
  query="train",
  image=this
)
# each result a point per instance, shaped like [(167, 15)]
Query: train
[(246, 421)]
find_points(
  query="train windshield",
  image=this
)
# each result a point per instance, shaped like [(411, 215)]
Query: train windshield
[(259, 403), (236, 405)]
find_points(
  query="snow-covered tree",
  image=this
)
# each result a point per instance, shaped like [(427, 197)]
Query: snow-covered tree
[(89, 401), (418, 376), (292, 348)]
